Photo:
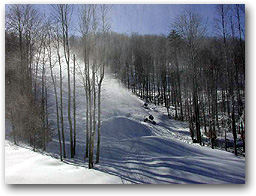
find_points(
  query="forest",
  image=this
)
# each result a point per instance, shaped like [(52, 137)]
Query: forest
[(198, 77)]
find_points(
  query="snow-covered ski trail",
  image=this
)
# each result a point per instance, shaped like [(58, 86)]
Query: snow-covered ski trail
[(134, 151), (145, 153)]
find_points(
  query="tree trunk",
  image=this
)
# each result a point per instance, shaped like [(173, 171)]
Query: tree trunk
[(13, 129), (99, 123), (61, 107), (90, 162), (57, 109), (74, 103), (94, 108), (69, 116), (46, 116), (43, 104), (234, 131)]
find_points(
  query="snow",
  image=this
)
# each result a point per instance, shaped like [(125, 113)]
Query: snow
[(132, 151), (23, 166)]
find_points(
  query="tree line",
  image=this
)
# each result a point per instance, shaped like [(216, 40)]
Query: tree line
[(197, 77)]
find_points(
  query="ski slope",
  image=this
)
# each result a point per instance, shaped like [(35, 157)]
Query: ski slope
[(132, 151), (141, 152), (23, 166)]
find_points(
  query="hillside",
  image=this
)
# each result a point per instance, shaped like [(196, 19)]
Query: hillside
[(132, 151)]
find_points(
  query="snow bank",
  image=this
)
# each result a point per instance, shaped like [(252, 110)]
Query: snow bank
[(23, 166)]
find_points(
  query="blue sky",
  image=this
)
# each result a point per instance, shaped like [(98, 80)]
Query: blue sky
[(147, 18), (152, 18)]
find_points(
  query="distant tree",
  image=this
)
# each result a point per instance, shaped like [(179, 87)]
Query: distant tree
[(189, 25), (175, 44), (23, 24)]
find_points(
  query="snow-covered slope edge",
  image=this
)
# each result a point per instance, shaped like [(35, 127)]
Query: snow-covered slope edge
[(23, 166)]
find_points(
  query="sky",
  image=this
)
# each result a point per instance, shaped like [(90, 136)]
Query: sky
[(152, 18), (146, 18)]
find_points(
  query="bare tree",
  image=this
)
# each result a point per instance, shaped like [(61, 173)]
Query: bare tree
[(74, 101), (57, 46), (175, 44), (88, 28), (50, 39), (92, 94), (104, 10), (191, 28), (43, 98), (85, 28), (63, 13)]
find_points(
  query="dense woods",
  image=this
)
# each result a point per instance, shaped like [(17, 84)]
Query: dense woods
[(197, 77)]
